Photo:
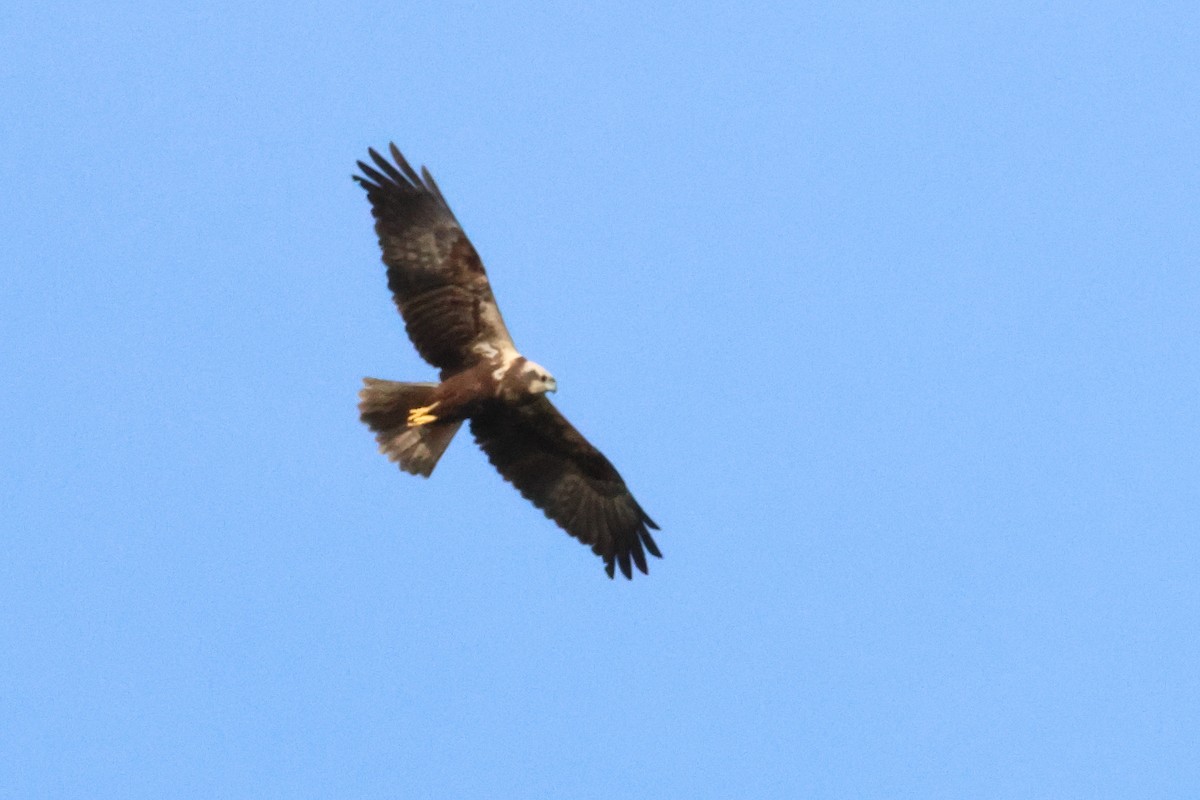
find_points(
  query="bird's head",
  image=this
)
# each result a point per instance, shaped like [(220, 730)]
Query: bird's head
[(537, 379)]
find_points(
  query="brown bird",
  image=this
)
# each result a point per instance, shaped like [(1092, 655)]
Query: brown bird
[(442, 291)]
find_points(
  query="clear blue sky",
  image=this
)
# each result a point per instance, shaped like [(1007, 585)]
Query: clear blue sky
[(888, 314)]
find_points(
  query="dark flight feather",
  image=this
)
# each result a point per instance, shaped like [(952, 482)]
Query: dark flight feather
[(537, 450), (437, 279)]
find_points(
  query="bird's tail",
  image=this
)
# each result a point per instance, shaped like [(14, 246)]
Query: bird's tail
[(385, 407)]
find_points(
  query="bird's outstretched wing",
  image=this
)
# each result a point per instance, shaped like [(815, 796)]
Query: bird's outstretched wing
[(536, 449), (436, 277)]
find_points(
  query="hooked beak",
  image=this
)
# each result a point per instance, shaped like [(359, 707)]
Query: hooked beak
[(552, 385)]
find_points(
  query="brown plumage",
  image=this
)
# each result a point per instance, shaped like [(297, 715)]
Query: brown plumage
[(441, 289)]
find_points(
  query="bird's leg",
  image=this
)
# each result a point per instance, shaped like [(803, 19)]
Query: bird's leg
[(421, 416)]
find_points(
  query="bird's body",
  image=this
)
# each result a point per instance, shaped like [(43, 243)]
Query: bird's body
[(443, 294)]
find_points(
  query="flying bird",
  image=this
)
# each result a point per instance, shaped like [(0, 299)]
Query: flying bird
[(442, 291)]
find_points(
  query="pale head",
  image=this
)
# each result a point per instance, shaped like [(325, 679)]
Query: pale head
[(537, 379)]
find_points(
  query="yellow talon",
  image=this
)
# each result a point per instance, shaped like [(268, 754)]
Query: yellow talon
[(421, 416)]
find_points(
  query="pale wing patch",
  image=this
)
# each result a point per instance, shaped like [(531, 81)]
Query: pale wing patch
[(422, 252), (489, 315), (485, 350), (499, 372)]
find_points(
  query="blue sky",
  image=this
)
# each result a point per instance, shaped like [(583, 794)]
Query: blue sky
[(886, 312)]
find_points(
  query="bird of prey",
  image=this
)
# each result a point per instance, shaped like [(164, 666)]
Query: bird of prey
[(439, 285)]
